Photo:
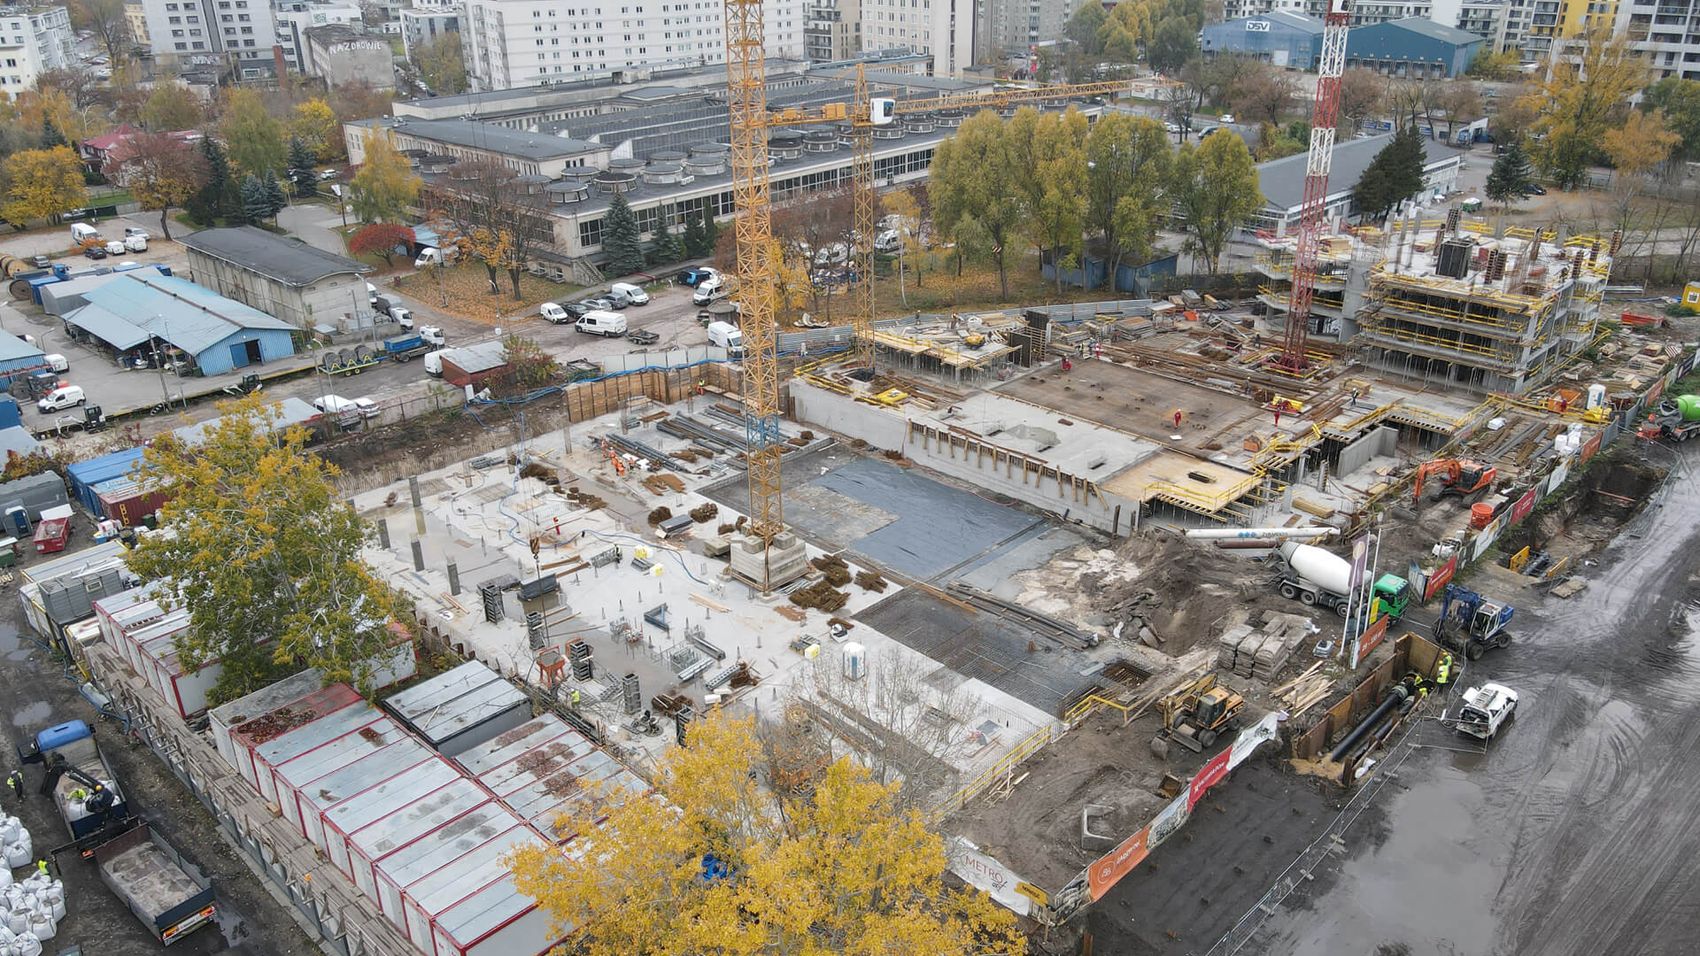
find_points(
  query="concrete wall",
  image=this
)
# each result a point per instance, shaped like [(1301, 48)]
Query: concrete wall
[(1062, 495), (1381, 440)]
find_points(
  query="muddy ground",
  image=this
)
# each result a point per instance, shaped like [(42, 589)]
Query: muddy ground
[(39, 693)]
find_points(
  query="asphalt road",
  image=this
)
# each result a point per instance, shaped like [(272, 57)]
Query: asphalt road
[(1577, 831)]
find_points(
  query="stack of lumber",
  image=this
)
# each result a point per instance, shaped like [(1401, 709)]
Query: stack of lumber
[(1305, 691)]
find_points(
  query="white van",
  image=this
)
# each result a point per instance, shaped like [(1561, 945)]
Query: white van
[(431, 255), (727, 336), (56, 362), (115, 248), (65, 396), (82, 232), (434, 363), (136, 243), (599, 322), (633, 294), (552, 312), (134, 232), (708, 291)]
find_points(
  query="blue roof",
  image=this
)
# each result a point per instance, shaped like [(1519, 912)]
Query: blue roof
[(105, 468), (128, 311), (12, 347)]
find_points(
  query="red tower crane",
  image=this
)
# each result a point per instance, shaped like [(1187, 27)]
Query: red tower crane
[(1325, 115)]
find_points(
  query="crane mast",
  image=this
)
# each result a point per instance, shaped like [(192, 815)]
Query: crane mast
[(1325, 115)]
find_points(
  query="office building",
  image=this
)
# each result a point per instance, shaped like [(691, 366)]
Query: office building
[(32, 41)]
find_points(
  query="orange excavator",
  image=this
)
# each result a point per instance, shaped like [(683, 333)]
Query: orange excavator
[(1456, 476)]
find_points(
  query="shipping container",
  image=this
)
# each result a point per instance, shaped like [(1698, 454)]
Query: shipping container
[(266, 727), (34, 494), (308, 772), (371, 772), (498, 920), (462, 708), (84, 475), (542, 768), (433, 851), (398, 824), (225, 718), (126, 501), (324, 728), (62, 591), (80, 636), (479, 869)]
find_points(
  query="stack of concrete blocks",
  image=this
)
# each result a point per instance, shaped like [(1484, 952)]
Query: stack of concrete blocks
[(1261, 653)]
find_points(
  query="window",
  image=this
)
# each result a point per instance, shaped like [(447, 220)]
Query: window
[(177, 33)]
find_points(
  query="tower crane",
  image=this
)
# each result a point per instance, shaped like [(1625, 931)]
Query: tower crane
[(746, 87), (1325, 115)]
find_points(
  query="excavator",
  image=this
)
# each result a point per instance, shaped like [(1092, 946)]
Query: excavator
[(1196, 715), (1457, 476)]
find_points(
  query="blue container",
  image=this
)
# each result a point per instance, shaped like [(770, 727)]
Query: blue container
[(59, 735)]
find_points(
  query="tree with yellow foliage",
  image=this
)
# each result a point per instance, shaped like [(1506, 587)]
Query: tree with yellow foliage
[(1582, 99), (385, 186), (715, 863), (42, 183), (314, 123)]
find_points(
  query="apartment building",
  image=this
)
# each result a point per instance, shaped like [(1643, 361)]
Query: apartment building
[(296, 17), (1668, 31), (1016, 26), (244, 29), (944, 30), (422, 25), (33, 40), (513, 43), (833, 30)]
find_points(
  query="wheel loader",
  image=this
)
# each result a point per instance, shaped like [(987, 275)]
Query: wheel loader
[(1196, 715)]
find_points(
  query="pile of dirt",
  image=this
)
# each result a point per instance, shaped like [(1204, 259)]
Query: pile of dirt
[(659, 515), (706, 512)]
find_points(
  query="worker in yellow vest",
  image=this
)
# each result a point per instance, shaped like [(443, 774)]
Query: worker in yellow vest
[(1443, 669)]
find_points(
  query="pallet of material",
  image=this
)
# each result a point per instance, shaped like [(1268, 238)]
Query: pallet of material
[(1228, 645)]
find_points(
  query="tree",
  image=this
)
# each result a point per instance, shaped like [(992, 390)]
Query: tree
[(1636, 150), (530, 363), (692, 239), (1459, 101), (1180, 101), (275, 196), (1172, 45), (809, 231), (256, 200), (381, 239), (42, 183), (51, 138), (360, 100), (219, 196), (1082, 28), (668, 248), (1393, 176), (621, 240), (1264, 95), (1215, 185), (1679, 101), (1128, 160), (1497, 66), (385, 186), (1362, 94), (442, 65), (264, 553), (1278, 142), (315, 124), (905, 204), (840, 870), (80, 85), (172, 106), (301, 167), (970, 178), (1511, 176), (163, 171), (1580, 101), (255, 139), (107, 20), (487, 205), (1516, 114), (38, 109)]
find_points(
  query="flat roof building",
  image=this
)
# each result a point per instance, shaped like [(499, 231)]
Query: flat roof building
[(283, 277), (144, 312)]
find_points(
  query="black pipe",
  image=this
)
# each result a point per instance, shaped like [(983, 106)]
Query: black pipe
[(1394, 697)]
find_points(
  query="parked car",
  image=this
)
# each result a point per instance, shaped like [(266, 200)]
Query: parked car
[(601, 304), (41, 262), (65, 396), (1486, 709), (115, 247), (556, 313), (95, 252), (601, 322), (1534, 189), (634, 294), (56, 362), (136, 231), (620, 299), (707, 292), (327, 175), (134, 243)]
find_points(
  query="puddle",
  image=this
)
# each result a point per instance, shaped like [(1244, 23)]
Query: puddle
[(12, 644), (32, 715)]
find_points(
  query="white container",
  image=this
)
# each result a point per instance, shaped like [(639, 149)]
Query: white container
[(1596, 396), (855, 660)]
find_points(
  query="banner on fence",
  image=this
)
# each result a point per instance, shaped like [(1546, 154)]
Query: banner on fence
[(1524, 505), (1370, 639), (1208, 776), (1441, 576), (1557, 478), (1591, 447), (982, 872), (1487, 537)]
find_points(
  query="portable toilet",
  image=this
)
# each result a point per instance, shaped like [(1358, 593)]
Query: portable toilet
[(18, 520)]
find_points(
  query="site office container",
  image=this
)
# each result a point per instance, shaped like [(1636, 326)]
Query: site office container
[(455, 798), (225, 718), (269, 756), (417, 773), (497, 921), (123, 613), (544, 766), (127, 501), (311, 772), (431, 852), (186, 691), (361, 776), (462, 708), (265, 728), (426, 901)]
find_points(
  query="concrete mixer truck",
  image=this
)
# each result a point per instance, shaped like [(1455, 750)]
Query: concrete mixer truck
[(1321, 578), (1677, 419)]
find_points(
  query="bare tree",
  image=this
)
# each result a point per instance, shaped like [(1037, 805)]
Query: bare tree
[(484, 201), (1265, 95), (903, 727), (79, 85), (1363, 93), (814, 230), (107, 21), (1180, 100)]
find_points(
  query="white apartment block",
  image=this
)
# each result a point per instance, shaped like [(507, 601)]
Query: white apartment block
[(33, 40), (1668, 31), (833, 30), (1016, 26), (515, 43), (295, 17), (188, 28), (942, 29)]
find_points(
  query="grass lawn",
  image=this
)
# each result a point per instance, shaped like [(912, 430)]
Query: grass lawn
[(467, 293), (942, 290)]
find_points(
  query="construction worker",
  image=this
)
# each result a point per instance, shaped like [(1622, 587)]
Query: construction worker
[(575, 698), (1443, 670), (41, 867), (1177, 418), (15, 780), (79, 794)]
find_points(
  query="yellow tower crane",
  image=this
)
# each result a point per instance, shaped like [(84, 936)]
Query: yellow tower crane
[(746, 87)]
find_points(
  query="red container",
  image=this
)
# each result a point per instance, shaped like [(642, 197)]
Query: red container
[(51, 535)]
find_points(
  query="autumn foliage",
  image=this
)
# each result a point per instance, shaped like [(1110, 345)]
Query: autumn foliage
[(840, 871), (381, 239)]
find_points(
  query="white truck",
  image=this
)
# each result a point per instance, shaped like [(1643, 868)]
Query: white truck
[(1486, 709)]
